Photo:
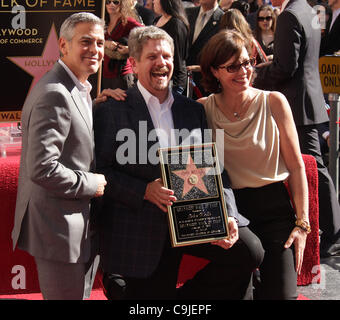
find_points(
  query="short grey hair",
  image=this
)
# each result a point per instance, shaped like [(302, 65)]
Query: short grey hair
[(68, 26), (140, 35)]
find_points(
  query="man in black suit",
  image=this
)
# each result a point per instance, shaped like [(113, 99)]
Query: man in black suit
[(295, 72), (204, 23), (330, 42), (137, 258)]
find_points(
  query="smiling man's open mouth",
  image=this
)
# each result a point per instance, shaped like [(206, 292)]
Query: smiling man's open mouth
[(160, 73)]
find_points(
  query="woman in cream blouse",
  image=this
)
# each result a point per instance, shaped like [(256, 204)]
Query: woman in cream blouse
[(261, 151)]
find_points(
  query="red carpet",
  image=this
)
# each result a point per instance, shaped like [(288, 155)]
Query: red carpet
[(96, 294)]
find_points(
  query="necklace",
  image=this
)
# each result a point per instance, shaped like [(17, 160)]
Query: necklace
[(267, 38), (237, 116), (231, 114)]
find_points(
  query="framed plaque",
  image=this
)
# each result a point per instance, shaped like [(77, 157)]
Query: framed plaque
[(199, 215)]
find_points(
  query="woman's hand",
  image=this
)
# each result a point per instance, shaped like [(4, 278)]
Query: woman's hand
[(263, 64), (110, 44), (123, 50), (298, 237), (117, 94), (194, 68), (233, 235)]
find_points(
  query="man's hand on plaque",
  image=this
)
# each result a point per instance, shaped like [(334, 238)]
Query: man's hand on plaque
[(159, 195), (233, 235)]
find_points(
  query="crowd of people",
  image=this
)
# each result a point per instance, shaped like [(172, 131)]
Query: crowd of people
[(88, 201)]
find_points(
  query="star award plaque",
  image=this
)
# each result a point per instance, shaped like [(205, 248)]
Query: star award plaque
[(199, 215)]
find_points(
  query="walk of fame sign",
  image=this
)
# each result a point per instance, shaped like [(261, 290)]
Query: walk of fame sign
[(199, 215)]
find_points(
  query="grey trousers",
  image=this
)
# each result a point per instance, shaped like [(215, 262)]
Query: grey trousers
[(66, 281)]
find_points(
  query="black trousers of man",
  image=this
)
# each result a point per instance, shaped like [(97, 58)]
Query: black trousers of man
[(228, 275)]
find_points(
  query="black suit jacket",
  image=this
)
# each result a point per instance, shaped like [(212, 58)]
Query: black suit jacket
[(295, 67), (330, 42), (132, 230), (210, 29)]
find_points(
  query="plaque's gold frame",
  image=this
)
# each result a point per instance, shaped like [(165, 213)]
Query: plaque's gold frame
[(164, 172)]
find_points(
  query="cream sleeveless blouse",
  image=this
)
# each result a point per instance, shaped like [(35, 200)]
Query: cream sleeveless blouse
[(251, 145)]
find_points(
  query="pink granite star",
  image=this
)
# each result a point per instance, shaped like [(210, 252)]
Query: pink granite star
[(192, 177), (37, 66)]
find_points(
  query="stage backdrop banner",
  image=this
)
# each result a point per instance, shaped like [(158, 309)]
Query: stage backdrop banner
[(29, 32)]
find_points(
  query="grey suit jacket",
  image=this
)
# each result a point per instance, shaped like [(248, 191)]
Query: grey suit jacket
[(55, 185), (132, 230), (295, 67)]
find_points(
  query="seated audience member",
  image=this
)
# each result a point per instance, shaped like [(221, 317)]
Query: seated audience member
[(259, 125), (234, 20), (265, 29), (120, 18), (137, 258), (172, 19)]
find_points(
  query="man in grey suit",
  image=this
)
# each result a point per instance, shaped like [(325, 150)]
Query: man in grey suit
[(295, 72), (55, 183), (136, 254)]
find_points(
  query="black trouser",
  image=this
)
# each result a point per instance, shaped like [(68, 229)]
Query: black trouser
[(329, 210), (272, 219), (228, 275)]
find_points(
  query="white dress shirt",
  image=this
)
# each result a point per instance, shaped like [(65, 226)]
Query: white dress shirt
[(284, 4), (335, 14), (84, 90), (161, 116)]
